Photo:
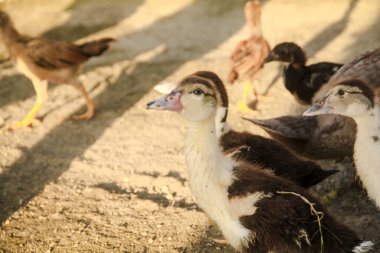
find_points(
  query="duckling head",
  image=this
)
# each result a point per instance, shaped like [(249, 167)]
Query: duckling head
[(197, 97), (350, 98), (287, 52)]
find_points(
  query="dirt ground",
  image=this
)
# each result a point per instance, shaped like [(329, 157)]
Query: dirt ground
[(118, 183)]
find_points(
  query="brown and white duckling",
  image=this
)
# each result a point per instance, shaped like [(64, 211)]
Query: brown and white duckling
[(256, 210), (301, 80), (355, 99), (258, 151)]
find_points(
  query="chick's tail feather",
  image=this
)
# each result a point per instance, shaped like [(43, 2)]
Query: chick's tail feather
[(95, 48)]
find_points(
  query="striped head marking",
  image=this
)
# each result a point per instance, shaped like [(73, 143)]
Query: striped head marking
[(350, 98), (204, 95), (197, 97)]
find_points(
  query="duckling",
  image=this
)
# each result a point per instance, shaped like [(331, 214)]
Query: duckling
[(248, 56), (258, 151), (355, 99), (326, 136), (44, 61), (255, 210), (300, 80)]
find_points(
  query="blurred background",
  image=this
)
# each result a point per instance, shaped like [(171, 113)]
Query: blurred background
[(118, 182)]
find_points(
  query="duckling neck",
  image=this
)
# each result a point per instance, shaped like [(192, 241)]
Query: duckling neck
[(210, 173), (298, 59), (204, 156), (9, 35), (367, 153)]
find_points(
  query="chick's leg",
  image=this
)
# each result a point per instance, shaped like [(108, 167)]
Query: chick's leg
[(242, 105), (41, 95), (89, 103)]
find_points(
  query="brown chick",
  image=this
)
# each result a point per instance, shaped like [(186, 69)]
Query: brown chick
[(44, 61), (249, 55)]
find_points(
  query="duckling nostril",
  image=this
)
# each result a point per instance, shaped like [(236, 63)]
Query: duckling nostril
[(149, 104)]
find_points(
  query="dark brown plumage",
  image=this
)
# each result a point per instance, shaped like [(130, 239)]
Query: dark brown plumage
[(266, 153), (44, 61), (285, 222), (248, 56)]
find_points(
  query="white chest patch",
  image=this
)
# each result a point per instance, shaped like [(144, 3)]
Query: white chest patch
[(210, 174), (367, 160)]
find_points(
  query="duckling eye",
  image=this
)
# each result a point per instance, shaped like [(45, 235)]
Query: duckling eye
[(198, 92), (340, 92)]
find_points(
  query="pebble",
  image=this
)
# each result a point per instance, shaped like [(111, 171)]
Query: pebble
[(165, 189)]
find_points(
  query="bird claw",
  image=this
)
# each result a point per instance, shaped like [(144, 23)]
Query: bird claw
[(32, 122), (84, 116)]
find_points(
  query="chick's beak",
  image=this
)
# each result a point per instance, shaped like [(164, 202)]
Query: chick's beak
[(269, 58), (321, 107), (169, 102)]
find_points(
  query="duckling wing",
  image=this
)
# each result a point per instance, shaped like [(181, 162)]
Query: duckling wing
[(320, 73), (335, 135), (295, 127), (54, 54), (265, 153), (317, 137)]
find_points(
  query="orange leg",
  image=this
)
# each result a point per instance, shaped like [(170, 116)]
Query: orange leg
[(89, 103)]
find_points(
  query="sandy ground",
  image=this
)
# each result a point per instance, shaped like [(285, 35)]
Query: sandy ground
[(118, 183)]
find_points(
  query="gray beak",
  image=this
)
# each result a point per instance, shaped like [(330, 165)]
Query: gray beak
[(321, 107), (170, 102)]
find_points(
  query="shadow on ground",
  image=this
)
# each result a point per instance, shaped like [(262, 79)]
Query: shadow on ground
[(51, 156)]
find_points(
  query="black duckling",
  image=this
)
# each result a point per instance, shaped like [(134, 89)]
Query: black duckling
[(256, 210), (355, 99), (300, 80)]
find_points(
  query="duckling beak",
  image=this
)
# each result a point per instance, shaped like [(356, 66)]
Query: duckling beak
[(269, 58), (169, 102), (321, 107)]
